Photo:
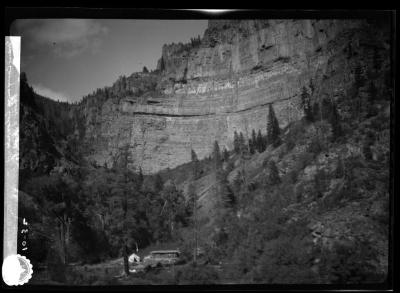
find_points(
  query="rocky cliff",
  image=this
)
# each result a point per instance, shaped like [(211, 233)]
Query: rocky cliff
[(205, 91)]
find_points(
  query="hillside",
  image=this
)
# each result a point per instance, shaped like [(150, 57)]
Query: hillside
[(329, 200), (47, 142)]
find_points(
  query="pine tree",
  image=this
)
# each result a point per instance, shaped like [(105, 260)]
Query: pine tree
[(124, 159), (217, 157), (57, 197), (122, 84), (316, 111), (162, 64), (238, 182), (26, 92), (225, 200), (226, 193), (320, 183), (174, 206), (260, 142), (254, 136), (372, 95), (140, 178), (326, 108), (253, 142), (106, 93), (388, 82), (251, 146), (312, 87), (358, 83), (225, 155), (195, 164), (242, 144), (158, 183), (306, 104), (236, 143), (368, 142), (193, 156), (273, 175), (339, 172), (273, 129), (358, 77), (376, 60), (192, 195), (349, 51), (334, 120), (145, 70)]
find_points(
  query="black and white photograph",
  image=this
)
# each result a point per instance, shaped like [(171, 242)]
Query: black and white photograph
[(208, 149)]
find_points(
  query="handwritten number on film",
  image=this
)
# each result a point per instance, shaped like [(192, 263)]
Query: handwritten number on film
[(24, 232)]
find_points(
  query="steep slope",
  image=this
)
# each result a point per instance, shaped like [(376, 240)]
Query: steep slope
[(336, 194), (46, 135), (205, 91)]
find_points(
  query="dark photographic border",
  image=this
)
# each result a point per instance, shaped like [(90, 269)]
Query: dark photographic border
[(12, 13)]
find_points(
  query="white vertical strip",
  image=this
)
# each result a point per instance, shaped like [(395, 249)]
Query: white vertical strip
[(11, 146)]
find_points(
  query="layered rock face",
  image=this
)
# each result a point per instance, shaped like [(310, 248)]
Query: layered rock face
[(224, 84)]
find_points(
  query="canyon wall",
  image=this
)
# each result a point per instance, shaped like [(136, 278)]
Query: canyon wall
[(205, 92)]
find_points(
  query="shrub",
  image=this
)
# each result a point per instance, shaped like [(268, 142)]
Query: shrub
[(291, 177), (215, 253), (281, 152), (306, 104), (320, 137), (290, 144), (196, 275), (320, 181), (230, 166), (366, 149), (339, 171), (77, 277), (273, 173), (315, 146), (57, 269), (302, 161), (284, 59), (383, 216), (73, 277), (186, 247), (298, 192), (106, 280), (265, 162), (252, 186), (285, 260), (242, 260), (350, 263), (158, 276), (286, 192)]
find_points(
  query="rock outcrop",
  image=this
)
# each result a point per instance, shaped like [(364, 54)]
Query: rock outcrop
[(204, 92)]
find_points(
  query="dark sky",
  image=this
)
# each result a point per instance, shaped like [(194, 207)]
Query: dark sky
[(66, 59)]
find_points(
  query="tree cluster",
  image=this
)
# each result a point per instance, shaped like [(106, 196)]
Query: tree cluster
[(96, 214), (257, 142), (273, 130), (306, 104)]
